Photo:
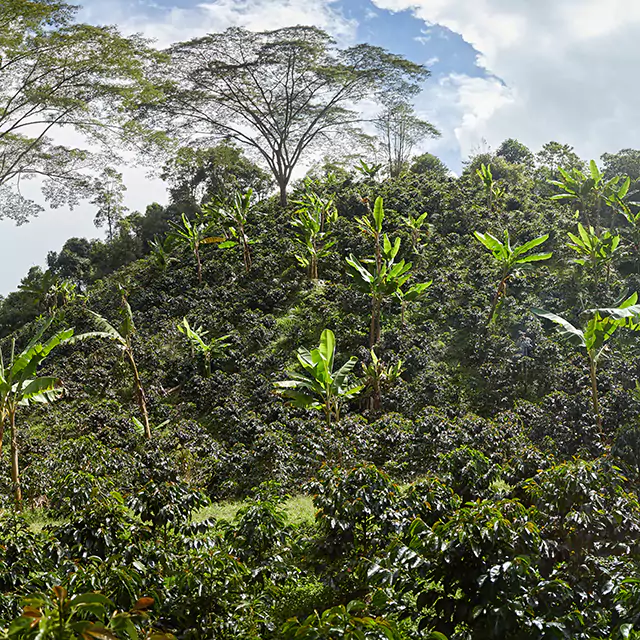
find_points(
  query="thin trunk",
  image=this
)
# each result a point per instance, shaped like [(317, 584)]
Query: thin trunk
[(15, 468), (500, 291), (3, 417), (196, 251), (594, 391), (375, 328), (142, 403), (246, 253)]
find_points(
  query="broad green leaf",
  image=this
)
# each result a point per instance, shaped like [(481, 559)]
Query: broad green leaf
[(567, 330)]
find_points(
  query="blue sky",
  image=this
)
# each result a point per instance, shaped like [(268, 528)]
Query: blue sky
[(536, 71)]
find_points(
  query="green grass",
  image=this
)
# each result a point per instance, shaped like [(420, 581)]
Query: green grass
[(299, 510)]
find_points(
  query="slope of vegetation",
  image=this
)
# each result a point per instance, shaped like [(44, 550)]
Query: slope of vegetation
[(383, 403), (468, 485)]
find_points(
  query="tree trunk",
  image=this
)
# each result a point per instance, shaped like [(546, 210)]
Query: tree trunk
[(375, 329), (246, 252), (3, 417), (142, 403), (196, 251), (282, 184), (594, 391), (15, 468)]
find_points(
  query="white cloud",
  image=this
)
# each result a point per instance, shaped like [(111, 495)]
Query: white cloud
[(568, 67), (176, 24)]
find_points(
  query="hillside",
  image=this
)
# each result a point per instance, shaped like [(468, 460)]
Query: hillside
[(477, 492)]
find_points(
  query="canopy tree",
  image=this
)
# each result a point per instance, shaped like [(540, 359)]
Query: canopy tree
[(201, 175), (400, 130), (280, 93), (57, 74), (109, 199)]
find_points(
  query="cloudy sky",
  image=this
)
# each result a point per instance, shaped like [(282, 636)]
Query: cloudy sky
[(535, 70)]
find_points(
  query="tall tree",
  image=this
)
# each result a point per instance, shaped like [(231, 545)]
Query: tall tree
[(55, 73), (202, 175), (278, 93), (109, 198), (400, 130)]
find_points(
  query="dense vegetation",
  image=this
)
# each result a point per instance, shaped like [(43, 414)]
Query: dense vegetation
[(382, 402)]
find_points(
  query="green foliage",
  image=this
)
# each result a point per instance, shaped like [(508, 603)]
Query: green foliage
[(314, 216), (512, 261), (349, 622), (208, 350), (320, 387), (192, 234), (59, 616), (600, 327)]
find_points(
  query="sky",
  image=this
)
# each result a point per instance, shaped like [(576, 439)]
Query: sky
[(535, 70)]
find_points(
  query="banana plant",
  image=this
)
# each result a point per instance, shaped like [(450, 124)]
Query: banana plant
[(512, 261), (313, 217), (377, 375), (234, 215), (600, 326), (415, 227), (319, 386), (369, 171), (161, 251), (492, 189), (50, 293), (616, 200), (595, 250), (411, 295), (381, 277), (21, 386), (122, 337), (192, 235), (587, 191), (208, 350)]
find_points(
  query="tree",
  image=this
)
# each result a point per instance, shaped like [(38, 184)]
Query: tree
[(600, 327), (427, 163), (123, 339), (313, 217), (192, 234), (587, 192), (415, 227), (376, 376), (624, 163), (202, 175), (48, 292), (235, 215), (512, 261), (56, 73), (400, 131), (74, 261), (208, 350), (491, 187), (109, 198), (319, 387), (279, 93), (515, 152)]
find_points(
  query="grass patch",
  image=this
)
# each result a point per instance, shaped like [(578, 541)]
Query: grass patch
[(299, 510)]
